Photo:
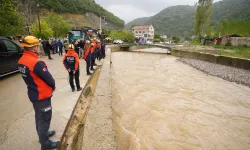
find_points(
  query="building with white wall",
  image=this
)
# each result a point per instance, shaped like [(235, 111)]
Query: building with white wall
[(144, 31)]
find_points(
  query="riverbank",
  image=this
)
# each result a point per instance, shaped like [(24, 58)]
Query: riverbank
[(239, 76)]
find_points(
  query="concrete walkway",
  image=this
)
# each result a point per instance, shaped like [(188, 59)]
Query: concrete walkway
[(99, 131), (17, 124)]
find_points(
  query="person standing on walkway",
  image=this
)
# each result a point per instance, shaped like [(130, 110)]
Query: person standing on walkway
[(77, 48), (103, 49), (46, 47), (81, 47), (60, 46), (41, 85), (98, 49), (66, 44), (53, 44), (87, 56), (71, 63)]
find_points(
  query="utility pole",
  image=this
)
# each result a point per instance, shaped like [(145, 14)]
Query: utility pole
[(39, 23), (101, 22)]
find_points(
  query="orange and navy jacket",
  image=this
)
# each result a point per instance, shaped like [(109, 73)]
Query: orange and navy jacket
[(71, 60), (87, 53), (98, 45), (94, 47), (35, 74)]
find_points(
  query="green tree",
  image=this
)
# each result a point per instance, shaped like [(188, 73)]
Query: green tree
[(176, 39), (123, 35), (81, 6), (11, 22), (46, 30), (129, 36), (157, 36), (58, 24), (202, 17)]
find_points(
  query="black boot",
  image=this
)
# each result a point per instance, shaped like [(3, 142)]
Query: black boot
[(79, 89), (51, 133), (52, 145)]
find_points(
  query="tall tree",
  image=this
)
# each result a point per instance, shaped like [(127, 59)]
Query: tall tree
[(11, 21), (29, 9), (202, 16), (58, 24), (46, 30)]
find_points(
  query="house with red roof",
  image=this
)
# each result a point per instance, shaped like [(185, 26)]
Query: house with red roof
[(144, 31)]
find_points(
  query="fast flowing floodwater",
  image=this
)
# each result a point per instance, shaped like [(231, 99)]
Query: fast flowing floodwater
[(162, 104)]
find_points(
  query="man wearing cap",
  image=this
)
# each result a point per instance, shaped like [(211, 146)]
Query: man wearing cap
[(71, 63), (40, 86)]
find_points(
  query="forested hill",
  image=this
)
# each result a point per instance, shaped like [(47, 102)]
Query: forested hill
[(137, 21), (80, 6), (231, 10), (176, 20), (179, 20)]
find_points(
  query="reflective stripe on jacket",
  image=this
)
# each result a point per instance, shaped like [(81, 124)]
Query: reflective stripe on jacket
[(71, 60)]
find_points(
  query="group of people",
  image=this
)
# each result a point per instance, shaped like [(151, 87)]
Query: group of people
[(56, 46), (41, 84), (93, 50)]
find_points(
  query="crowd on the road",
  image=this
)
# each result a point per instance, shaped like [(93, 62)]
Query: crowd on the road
[(40, 82), (81, 47)]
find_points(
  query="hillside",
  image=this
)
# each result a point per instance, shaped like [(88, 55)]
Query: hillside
[(81, 7), (137, 22), (231, 10), (179, 20), (176, 20)]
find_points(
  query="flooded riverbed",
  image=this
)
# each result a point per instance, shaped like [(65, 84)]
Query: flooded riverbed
[(162, 104)]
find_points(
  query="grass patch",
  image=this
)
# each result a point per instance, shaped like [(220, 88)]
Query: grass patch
[(233, 51), (194, 43)]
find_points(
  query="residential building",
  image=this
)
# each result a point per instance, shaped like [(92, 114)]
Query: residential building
[(144, 31)]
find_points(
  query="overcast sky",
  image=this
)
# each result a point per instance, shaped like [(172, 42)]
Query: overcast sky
[(129, 10)]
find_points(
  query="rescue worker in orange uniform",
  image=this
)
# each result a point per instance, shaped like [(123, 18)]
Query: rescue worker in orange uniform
[(87, 56), (71, 63), (41, 85), (93, 54)]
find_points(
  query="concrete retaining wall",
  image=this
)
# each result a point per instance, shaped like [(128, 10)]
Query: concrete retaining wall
[(236, 41), (223, 60)]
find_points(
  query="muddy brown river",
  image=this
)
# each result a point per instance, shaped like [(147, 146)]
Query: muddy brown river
[(162, 104)]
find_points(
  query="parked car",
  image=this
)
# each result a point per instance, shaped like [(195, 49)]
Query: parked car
[(10, 53), (118, 42)]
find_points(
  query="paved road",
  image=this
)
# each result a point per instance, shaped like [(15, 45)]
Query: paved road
[(17, 125)]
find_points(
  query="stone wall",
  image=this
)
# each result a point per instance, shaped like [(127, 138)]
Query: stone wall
[(236, 41), (223, 60)]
